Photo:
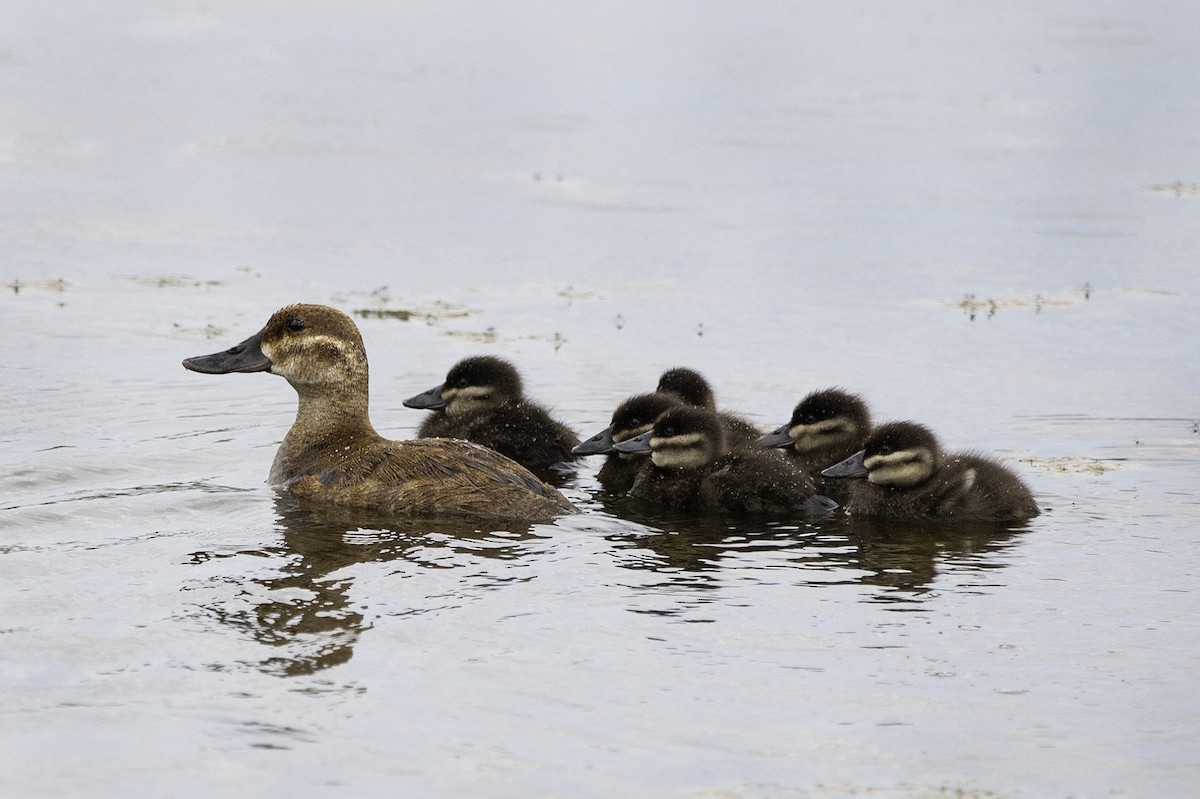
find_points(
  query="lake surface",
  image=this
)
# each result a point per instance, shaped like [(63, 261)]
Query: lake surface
[(986, 219)]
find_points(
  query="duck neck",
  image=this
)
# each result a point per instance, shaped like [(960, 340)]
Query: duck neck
[(327, 417)]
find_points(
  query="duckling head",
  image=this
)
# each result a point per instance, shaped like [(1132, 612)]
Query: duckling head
[(632, 417), (689, 385), (312, 346), (897, 454), (823, 419), (472, 385), (682, 438)]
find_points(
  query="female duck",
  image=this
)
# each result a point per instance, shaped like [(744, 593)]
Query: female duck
[(332, 454), (692, 389), (632, 417), (693, 468), (483, 400), (909, 477), (826, 427)]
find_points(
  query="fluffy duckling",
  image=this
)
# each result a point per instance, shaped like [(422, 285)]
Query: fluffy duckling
[(632, 417), (484, 401), (909, 477), (693, 468), (333, 456), (827, 426), (692, 389)]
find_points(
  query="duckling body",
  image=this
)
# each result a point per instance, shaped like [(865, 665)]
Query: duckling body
[(693, 468), (693, 389), (483, 400), (909, 477), (826, 427), (632, 417), (333, 456)]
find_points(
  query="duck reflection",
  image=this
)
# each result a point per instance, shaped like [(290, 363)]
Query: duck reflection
[(305, 611), (905, 557), (902, 559)]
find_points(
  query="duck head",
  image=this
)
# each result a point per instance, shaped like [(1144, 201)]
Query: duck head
[(689, 386), (312, 346), (681, 438), (472, 385), (823, 419), (897, 454), (632, 417)]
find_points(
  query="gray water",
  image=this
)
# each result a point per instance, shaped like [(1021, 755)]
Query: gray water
[(983, 217)]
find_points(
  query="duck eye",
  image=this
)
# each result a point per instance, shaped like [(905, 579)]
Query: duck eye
[(461, 382), (635, 422), (295, 324), (886, 449)]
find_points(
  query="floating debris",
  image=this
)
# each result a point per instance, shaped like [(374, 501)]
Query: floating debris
[(1178, 188), (384, 313), (1071, 465), (973, 306), (174, 282), (57, 284)]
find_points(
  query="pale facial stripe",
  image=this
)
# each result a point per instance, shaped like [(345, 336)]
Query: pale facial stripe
[(905, 468)]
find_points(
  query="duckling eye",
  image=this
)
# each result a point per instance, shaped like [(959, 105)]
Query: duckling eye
[(461, 382), (635, 422), (886, 449), (295, 324), (669, 430)]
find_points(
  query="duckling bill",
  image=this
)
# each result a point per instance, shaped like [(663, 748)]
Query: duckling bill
[(332, 455), (902, 472)]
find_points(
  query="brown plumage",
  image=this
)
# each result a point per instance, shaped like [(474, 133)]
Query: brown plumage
[(332, 454), (909, 477)]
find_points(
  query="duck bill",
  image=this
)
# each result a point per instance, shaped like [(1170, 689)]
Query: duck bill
[(245, 357), (635, 445), (598, 444), (851, 467), (776, 438), (427, 400)]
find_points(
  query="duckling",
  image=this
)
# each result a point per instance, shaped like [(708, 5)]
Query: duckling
[(693, 468), (632, 417), (692, 389), (333, 456), (484, 401), (826, 427), (909, 477)]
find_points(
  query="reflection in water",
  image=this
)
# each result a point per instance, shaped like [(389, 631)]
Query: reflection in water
[(901, 558), (305, 610)]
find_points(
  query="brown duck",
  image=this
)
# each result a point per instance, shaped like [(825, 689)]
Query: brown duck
[(332, 454)]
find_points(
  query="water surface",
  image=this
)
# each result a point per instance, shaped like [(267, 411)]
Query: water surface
[(982, 219)]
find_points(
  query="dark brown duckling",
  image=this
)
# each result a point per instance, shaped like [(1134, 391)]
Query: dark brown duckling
[(693, 468), (333, 456), (692, 389), (483, 400), (632, 417), (909, 477), (826, 427)]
